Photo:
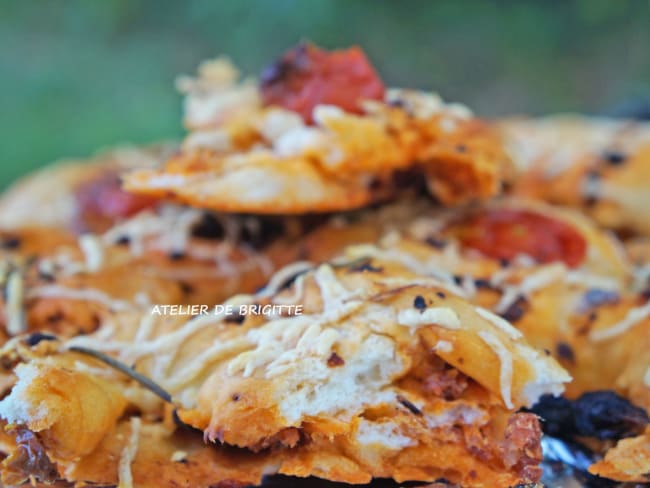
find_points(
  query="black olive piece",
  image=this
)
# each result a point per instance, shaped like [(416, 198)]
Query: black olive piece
[(37, 337), (557, 415), (235, 318), (208, 227), (606, 415), (436, 242), (123, 241), (614, 158), (176, 255), (565, 351), (268, 230), (515, 311), (482, 283)]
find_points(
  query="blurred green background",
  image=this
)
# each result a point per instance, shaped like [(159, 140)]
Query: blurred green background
[(79, 75)]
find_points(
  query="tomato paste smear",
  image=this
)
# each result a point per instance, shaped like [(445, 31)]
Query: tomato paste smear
[(506, 233), (307, 75)]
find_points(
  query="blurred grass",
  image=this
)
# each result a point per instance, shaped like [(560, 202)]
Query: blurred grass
[(80, 75)]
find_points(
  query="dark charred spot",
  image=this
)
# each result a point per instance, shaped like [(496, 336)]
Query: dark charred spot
[(547, 352), (10, 243), (590, 200), (234, 318), (607, 415), (645, 295), (296, 60), (37, 337), (517, 310), (186, 288), (458, 280), (123, 240), (614, 158), (565, 352), (436, 242), (504, 262), (441, 294), (235, 397), (409, 405), (335, 360), (208, 227), (419, 303), (461, 148), (176, 255), (54, 317), (397, 102), (49, 277), (483, 284), (366, 266), (411, 179)]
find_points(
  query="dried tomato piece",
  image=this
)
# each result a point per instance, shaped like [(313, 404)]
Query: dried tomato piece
[(506, 233), (101, 201), (306, 76)]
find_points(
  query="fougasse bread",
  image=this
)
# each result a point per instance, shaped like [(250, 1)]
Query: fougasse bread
[(565, 284), (599, 165), (66, 284), (80, 195), (385, 374), (320, 133)]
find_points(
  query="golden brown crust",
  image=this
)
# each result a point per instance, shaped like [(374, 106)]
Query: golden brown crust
[(598, 165), (270, 162), (51, 196), (628, 461)]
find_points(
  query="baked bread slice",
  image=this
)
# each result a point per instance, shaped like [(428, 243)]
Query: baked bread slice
[(251, 152), (80, 195), (598, 165), (386, 374)]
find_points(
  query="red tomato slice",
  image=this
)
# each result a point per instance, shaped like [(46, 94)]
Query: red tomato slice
[(506, 233), (104, 197), (307, 76)]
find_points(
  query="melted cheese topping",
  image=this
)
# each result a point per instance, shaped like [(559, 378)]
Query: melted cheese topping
[(634, 316), (88, 294), (93, 251), (442, 316), (505, 357), (127, 457), (15, 289), (499, 322)]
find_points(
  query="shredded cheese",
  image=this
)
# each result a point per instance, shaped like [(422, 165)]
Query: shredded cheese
[(633, 317), (89, 294), (15, 289), (125, 476), (93, 251), (499, 322), (506, 371), (442, 316)]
